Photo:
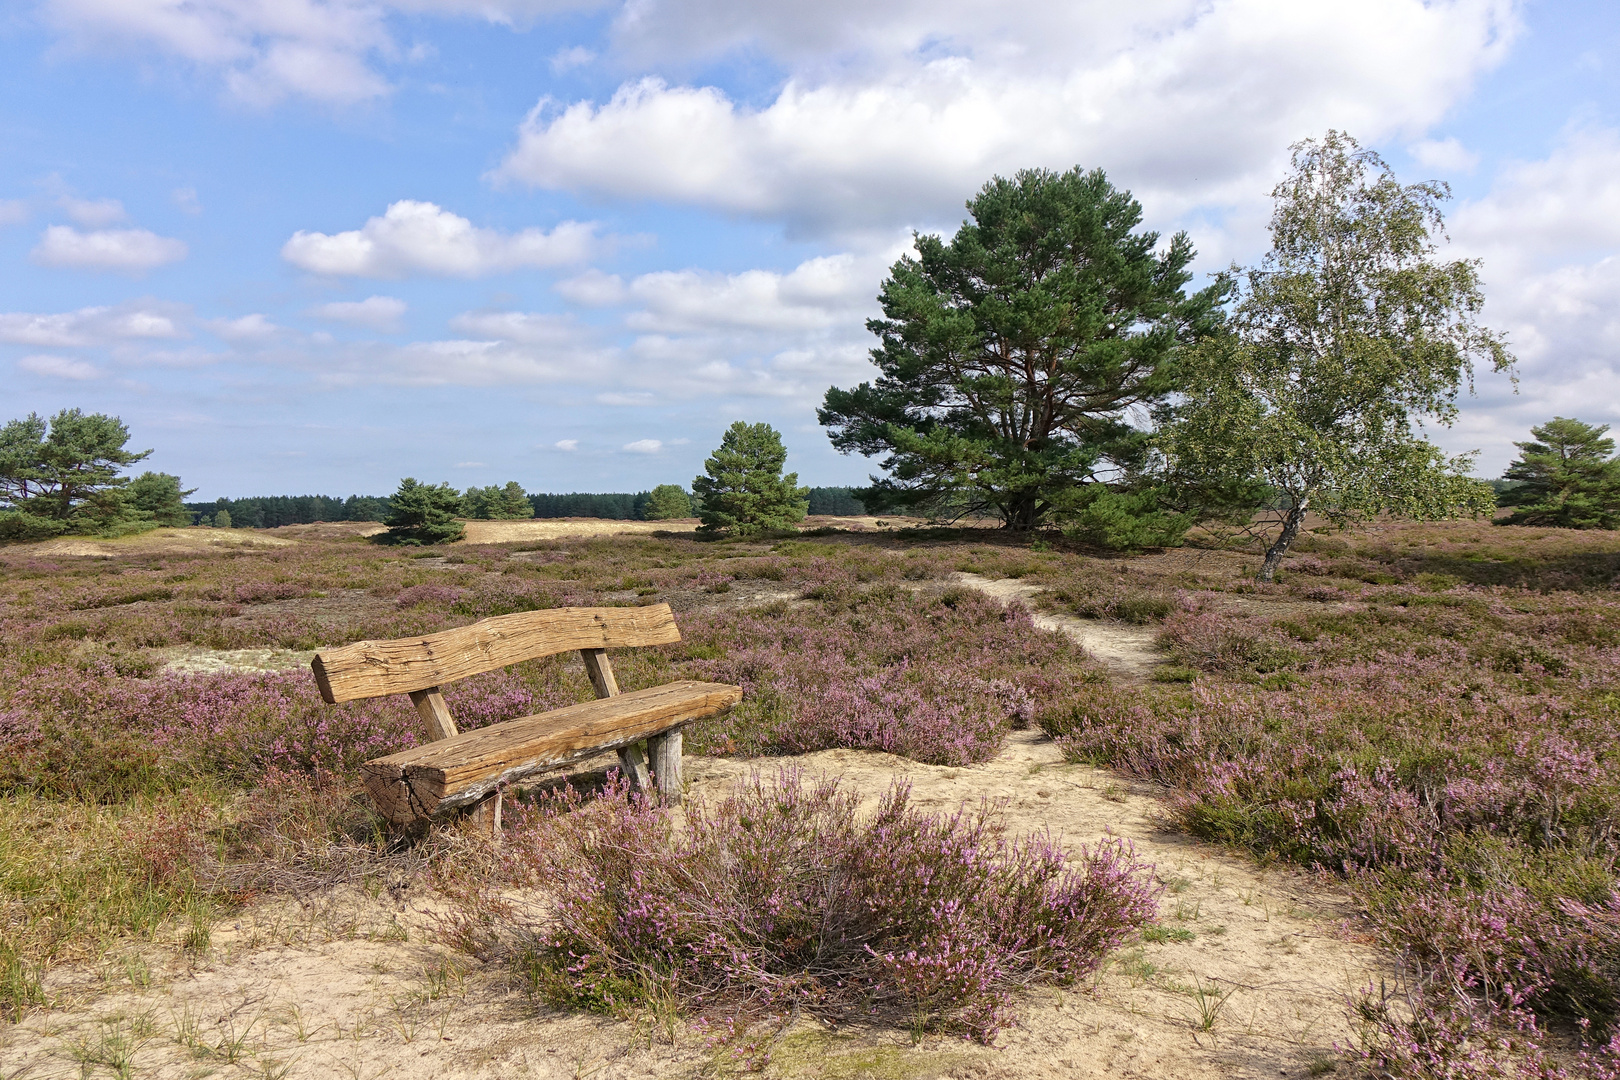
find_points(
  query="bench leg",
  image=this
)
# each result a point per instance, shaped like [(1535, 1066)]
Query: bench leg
[(634, 764), (666, 765), (487, 814)]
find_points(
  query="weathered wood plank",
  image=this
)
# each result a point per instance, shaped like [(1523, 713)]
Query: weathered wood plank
[(633, 763), (600, 670), (373, 668), (486, 815), (665, 751), (425, 780), (430, 703)]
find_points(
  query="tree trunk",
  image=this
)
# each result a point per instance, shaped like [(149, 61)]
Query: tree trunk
[(1021, 513), (1274, 554)]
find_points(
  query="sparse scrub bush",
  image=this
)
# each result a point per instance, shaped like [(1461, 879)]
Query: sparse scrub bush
[(781, 898), (1096, 590)]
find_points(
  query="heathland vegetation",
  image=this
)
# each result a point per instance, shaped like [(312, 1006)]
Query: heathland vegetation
[(1419, 713), (1423, 711)]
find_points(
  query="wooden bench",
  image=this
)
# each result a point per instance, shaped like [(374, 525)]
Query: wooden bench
[(457, 769)]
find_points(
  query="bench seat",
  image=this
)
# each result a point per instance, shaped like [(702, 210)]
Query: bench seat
[(461, 770)]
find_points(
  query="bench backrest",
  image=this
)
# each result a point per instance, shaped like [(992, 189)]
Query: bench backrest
[(417, 665)]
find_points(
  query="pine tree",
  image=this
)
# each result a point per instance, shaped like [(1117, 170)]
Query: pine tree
[(667, 501), (513, 503), (160, 496), (1013, 353), (63, 476), (744, 491), (1568, 478), (422, 514)]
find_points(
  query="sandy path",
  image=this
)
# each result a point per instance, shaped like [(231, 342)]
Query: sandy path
[(362, 987), (1130, 650)]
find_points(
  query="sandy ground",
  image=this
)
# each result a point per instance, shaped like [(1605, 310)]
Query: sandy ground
[(355, 986), (157, 542), (181, 541)]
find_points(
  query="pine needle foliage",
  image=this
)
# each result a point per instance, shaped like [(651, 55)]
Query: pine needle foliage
[(1567, 477), (743, 491)]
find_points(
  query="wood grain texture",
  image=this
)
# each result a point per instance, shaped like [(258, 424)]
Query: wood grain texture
[(431, 704), (633, 763), (373, 668), (425, 780), (665, 751), (600, 670)]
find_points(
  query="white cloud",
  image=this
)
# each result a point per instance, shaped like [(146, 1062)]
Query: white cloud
[(815, 295), (420, 237), (1446, 155), (13, 212), (568, 59), (471, 465), (186, 199), (128, 250), (265, 51), (268, 50), (380, 313), (59, 367), (867, 35), (756, 333), (92, 213), (1568, 203), (1547, 234), (92, 325), (446, 363), (593, 289), (526, 328), (568, 445), (1185, 102), (644, 446), (253, 327)]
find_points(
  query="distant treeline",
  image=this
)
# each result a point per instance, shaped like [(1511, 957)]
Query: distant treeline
[(273, 511), (620, 505), (625, 506)]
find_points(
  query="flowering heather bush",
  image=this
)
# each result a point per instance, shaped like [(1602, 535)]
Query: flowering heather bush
[(427, 594), (88, 733), (780, 898), (1210, 641), (1436, 1029), (939, 679)]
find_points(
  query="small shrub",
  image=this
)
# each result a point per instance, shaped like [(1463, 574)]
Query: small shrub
[(417, 595), (263, 592), (782, 897)]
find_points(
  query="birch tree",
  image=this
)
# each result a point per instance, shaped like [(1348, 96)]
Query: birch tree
[(1348, 337)]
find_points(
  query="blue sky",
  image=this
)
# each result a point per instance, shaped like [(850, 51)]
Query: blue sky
[(317, 245)]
